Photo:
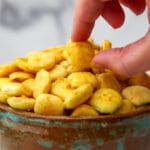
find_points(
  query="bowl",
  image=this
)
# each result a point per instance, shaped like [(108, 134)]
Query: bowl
[(21, 130)]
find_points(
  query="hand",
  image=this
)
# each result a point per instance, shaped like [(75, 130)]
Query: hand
[(87, 11), (127, 60)]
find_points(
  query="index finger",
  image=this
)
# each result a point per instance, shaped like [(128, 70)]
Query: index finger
[(86, 12)]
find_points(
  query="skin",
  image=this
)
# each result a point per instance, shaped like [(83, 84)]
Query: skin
[(127, 60)]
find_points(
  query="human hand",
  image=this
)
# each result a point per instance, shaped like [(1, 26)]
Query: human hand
[(127, 60), (87, 11)]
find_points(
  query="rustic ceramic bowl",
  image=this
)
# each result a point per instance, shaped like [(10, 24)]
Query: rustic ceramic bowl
[(28, 131)]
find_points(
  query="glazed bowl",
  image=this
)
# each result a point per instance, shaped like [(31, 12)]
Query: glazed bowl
[(28, 131)]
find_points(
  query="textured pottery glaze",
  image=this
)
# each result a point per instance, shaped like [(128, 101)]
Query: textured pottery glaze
[(28, 131)]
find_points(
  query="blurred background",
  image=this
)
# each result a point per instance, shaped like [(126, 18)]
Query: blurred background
[(28, 25)]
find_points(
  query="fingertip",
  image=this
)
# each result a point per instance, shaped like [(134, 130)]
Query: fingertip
[(114, 14), (86, 12), (100, 59), (137, 6)]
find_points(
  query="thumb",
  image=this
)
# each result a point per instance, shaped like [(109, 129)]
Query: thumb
[(127, 60)]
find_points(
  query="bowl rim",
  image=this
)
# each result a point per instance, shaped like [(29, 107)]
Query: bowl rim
[(113, 117)]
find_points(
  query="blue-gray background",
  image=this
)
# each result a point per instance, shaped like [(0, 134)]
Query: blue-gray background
[(27, 25)]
